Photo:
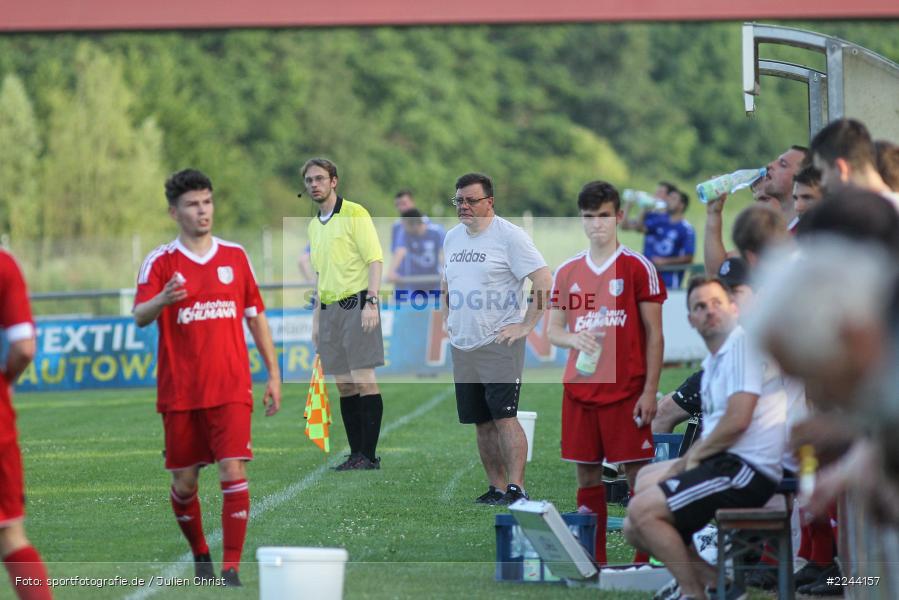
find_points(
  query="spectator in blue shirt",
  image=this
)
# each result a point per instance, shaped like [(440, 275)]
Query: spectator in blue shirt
[(418, 253), (670, 239), (403, 201)]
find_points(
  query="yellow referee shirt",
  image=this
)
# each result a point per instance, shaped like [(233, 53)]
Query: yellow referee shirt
[(341, 250)]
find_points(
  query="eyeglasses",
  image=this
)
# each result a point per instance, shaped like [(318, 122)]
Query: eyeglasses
[(316, 179), (467, 201)]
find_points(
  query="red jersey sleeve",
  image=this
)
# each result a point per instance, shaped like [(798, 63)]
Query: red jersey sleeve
[(648, 283), (253, 304), (15, 311), (150, 278)]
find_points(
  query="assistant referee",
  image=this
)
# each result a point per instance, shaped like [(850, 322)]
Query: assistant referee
[(346, 324)]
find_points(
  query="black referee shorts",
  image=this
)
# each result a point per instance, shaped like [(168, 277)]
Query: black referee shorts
[(342, 344), (488, 381)]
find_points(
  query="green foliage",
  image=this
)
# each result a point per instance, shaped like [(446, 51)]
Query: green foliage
[(541, 108), (19, 152)]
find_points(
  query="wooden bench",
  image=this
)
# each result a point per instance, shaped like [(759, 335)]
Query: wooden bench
[(745, 530)]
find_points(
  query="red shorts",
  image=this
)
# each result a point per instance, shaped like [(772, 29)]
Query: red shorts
[(591, 433), (202, 437), (12, 488)]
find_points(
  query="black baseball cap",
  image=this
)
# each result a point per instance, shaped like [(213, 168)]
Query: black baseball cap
[(734, 271)]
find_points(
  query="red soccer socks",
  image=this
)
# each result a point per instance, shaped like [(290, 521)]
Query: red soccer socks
[(28, 574), (235, 515), (593, 499), (190, 519)]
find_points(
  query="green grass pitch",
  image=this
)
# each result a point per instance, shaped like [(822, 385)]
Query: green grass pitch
[(98, 496)]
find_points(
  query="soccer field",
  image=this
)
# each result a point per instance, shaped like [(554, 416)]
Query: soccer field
[(98, 496)]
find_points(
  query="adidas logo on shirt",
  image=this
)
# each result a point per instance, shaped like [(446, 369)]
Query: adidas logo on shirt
[(574, 289), (469, 256)]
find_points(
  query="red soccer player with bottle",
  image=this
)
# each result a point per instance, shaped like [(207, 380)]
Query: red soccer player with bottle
[(607, 308)]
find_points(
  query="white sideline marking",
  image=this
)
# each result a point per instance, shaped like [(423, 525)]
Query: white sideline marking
[(267, 503), (450, 488)]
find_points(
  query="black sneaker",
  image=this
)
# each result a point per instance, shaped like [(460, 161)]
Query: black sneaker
[(203, 567), (809, 573), (230, 578), (349, 464), (366, 464), (763, 579), (491, 496), (513, 494), (609, 471), (819, 587)]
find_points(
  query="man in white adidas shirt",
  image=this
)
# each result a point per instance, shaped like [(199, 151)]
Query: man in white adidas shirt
[(487, 260), (736, 464)]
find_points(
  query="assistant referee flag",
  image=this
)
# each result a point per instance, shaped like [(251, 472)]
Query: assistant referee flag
[(318, 409)]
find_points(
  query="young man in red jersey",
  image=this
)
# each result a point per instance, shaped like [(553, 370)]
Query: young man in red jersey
[(23, 563), (607, 300), (199, 289)]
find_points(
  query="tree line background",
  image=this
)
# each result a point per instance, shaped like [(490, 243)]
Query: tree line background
[(91, 124)]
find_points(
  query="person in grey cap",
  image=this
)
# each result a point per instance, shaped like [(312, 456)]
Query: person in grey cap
[(685, 403)]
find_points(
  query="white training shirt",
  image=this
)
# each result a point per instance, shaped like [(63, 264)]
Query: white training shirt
[(739, 366), (485, 280)]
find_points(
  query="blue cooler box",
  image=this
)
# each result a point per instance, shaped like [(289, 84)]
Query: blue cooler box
[(516, 559)]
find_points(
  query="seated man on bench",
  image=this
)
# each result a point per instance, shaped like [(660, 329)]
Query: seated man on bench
[(736, 464)]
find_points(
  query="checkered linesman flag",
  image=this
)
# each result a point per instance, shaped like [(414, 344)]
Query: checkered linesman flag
[(318, 410)]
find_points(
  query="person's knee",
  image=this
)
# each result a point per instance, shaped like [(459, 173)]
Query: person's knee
[(231, 470), (642, 510), (589, 475), (346, 388), (367, 389), (185, 482), (12, 538), (630, 531), (506, 423)]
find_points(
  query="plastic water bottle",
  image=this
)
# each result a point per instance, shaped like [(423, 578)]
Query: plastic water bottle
[(586, 363), (644, 200), (531, 563), (730, 183), (515, 545)]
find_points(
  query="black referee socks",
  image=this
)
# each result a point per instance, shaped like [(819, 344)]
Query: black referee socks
[(351, 412), (371, 412)]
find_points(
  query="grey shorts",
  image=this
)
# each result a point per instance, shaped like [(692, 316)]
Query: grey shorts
[(342, 344), (488, 381)]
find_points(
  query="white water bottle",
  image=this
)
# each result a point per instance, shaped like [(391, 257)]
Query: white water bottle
[(586, 363), (643, 199), (530, 563), (730, 183)]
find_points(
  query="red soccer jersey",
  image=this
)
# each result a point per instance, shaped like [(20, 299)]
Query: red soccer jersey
[(202, 359), (607, 297), (17, 324)]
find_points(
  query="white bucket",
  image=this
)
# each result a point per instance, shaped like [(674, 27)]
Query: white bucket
[(528, 420), (287, 573)]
